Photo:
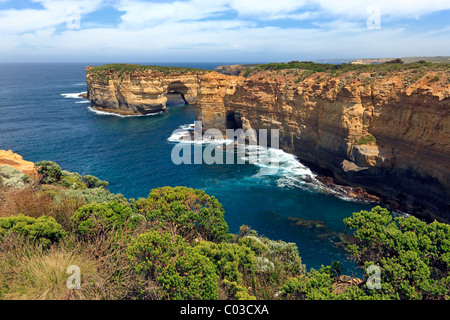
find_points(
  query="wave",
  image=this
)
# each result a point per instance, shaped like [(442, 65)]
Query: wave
[(184, 135), (104, 113), (84, 101), (275, 165), (287, 171), (73, 95)]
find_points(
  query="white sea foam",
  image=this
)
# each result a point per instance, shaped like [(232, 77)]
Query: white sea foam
[(183, 135), (287, 170), (275, 165), (84, 101), (284, 167), (73, 95), (104, 113)]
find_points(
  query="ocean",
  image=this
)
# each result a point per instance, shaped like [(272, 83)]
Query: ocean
[(43, 118)]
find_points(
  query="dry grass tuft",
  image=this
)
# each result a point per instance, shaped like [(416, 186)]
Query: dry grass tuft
[(30, 272), (37, 203)]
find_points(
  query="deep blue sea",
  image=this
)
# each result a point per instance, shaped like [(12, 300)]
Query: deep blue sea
[(42, 118)]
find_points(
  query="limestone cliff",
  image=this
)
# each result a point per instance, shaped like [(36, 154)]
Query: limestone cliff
[(325, 119), (141, 91), (388, 132), (17, 162)]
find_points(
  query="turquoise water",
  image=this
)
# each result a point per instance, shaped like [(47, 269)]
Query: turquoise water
[(42, 118)]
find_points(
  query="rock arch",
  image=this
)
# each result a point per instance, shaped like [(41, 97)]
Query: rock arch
[(187, 93)]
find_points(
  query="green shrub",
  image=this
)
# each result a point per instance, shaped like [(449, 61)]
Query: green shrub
[(13, 178), (72, 180), (73, 183), (180, 271), (94, 219), (189, 276), (188, 212), (272, 254), (94, 182), (150, 252), (96, 195), (317, 285), (233, 261), (366, 139), (50, 172), (239, 292), (414, 257), (44, 229)]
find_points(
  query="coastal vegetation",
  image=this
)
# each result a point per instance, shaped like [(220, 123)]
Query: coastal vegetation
[(366, 139), (122, 70), (338, 69), (175, 244)]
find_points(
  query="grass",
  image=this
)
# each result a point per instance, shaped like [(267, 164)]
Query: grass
[(37, 203), (366, 139), (30, 272), (42, 275)]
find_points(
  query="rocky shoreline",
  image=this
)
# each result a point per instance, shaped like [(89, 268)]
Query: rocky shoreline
[(385, 131)]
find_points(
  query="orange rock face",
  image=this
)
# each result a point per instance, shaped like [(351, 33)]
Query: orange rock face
[(16, 161), (321, 117), (141, 92)]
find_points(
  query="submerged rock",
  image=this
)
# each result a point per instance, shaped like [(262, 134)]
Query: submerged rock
[(310, 224)]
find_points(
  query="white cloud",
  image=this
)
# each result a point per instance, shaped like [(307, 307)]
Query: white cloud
[(266, 9), (186, 30), (54, 13), (140, 14), (397, 8)]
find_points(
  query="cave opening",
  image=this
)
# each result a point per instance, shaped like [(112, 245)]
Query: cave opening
[(234, 121), (176, 92)]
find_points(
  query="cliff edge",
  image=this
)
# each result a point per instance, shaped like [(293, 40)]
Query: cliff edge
[(385, 128)]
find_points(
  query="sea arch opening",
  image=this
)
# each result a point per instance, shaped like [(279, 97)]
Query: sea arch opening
[(177, 93)]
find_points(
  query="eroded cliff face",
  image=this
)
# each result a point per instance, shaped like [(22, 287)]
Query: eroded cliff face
[(16, 161), (387, 133), (325, 120), (140, 92)]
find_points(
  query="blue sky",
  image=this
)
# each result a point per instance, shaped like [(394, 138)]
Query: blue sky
[(220, 30)]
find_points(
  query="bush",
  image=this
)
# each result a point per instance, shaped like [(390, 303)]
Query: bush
[(94, 182), (366, 139), (72, 180), (189, 276), (278, 255), (13, 178), (414, 256), (233, 261), (50, 172), (150, 252), (96, 195), (44, 229), (188, 212), (237, 291), (180, 271), (95, 219)]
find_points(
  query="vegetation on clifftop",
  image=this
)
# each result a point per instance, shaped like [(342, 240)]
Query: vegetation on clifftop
[(394, 65), (130, 68), (175, 244)]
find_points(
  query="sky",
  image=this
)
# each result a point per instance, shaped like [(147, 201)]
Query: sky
[(242, 31)]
